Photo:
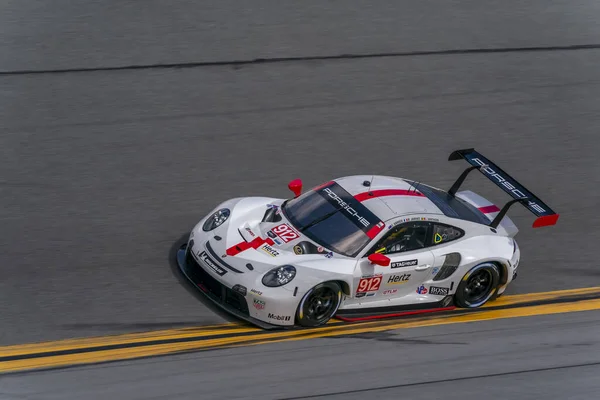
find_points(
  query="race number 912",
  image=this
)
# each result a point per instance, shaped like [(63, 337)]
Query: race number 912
[(285, 232), (369, 284)]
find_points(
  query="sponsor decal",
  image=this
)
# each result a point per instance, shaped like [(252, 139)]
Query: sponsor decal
[(359, 295), (439, 291), (211, 264), (491, 173), (271, 234), (437, 238), (277, 242), (285, 233), (269, 250), (259, 304), (298, 250), (435, 270), (250, 232), (370, 284), (279, 317), (351, 211), (407, 263), (390, 291), (329, 255), (398, 279), (422, 290), (370, 294), (256, 292)]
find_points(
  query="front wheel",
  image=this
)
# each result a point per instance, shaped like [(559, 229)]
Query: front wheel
[(477, 286), (319, 304)]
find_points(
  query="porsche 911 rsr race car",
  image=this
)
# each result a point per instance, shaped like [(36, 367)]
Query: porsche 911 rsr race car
[(359, 245)]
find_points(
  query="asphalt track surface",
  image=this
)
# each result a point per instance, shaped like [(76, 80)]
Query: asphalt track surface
[(103, 167), (493, 360)]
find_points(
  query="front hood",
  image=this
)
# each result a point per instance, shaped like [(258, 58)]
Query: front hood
[(257, 233)]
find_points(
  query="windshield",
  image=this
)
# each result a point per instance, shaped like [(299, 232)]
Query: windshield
[(331, 217)]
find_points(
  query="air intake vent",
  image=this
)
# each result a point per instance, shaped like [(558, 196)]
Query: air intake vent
[(450, 265), (271, 215)]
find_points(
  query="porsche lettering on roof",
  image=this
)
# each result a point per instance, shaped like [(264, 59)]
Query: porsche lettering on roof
[(345, 206), (360, 215)]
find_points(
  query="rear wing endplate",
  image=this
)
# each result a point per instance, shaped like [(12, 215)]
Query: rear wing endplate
[(545, 215)]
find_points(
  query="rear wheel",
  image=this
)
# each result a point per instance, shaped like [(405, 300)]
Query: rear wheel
[(477, 286), (319, 304)]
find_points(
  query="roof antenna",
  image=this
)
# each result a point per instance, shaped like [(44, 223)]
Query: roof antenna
[(368, 184)]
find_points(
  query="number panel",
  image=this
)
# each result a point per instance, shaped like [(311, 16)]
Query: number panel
[(285, 233), (369, 284)]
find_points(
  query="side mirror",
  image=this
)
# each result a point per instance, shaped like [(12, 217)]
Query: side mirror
[(296, 187), (379, 259)]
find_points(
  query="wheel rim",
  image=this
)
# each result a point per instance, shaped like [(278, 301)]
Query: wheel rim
[(321, 304), (479, 286)]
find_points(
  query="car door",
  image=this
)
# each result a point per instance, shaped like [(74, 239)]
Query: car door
[(410, 262)]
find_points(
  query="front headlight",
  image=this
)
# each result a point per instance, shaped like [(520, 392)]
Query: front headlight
[(279, 276), (216, 219)]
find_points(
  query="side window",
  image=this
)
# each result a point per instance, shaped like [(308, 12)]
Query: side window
[(405, 237), (445, 233)]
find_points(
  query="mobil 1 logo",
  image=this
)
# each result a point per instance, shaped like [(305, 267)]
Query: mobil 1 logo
[(407, 263)]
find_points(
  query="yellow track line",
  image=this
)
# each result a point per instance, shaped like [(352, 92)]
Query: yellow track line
[(548, 309), (229, 328), (74, 344), (143, 351), (162, 349), (525, 298), (258, 336)]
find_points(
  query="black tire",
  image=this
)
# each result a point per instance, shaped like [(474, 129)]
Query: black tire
[(319, 304), (477, 286)]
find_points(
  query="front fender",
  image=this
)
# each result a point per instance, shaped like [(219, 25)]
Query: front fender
[(307, 278)]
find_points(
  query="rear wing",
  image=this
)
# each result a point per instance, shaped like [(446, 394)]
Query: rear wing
[(545, 215)]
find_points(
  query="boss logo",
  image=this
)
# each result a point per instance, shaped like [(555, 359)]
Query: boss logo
[(438, 291)]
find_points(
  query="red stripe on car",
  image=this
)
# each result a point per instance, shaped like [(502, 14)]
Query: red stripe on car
[(374, 231), (489, 209), (394, 315), (243, 246), (387, 192)]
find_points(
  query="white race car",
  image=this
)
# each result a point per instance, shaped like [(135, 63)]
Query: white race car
[(359, 247)]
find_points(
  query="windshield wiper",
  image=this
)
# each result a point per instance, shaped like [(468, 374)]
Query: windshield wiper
[(323, 218)]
